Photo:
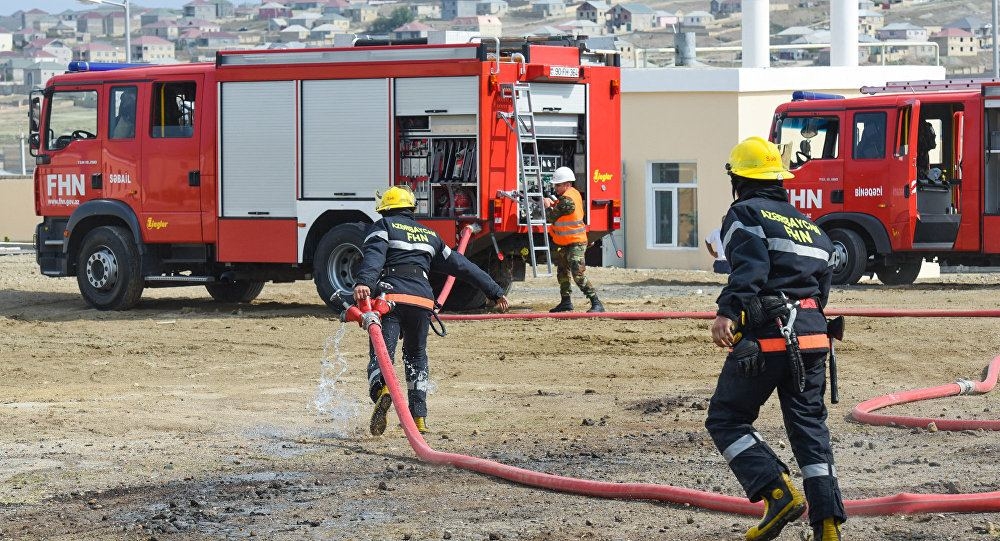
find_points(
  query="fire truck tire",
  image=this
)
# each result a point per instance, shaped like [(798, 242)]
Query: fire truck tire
[(900, 274), (336, 260), (851, 256), (108, 269), (235, 291)]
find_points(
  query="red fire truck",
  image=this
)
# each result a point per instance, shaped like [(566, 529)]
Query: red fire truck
[(264, 165), (907, 174)]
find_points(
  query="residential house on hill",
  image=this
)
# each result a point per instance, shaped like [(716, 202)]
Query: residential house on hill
[(698, 19), (791, 34), (902, 32), (152, 49), (156, 15), (200, 9), (305, 18), (272, 10), (362, 14), (162, 29), (498, 8), (56, 48), (665, 19), (978, 27), (98, 52), (334, 7), (294, 32), (200, 24), (870, 21), (452, 9), (424, 10), (956, 42), (582, 27), (114, 24), (91, 23), (484, 25), (411, 30), (630, 17), (594, 10), (548, 8), (37, 19), (725, 8), (218, 40), (63, 30)]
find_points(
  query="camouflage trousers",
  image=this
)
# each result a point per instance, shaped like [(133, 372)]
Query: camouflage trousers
[(569, 262)]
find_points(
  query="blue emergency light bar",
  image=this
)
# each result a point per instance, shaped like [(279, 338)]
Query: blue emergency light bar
[(80, 65), (802, 95)]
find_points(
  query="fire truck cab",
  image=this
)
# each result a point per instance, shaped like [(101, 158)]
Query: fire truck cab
[(910, 173), (264, 165)]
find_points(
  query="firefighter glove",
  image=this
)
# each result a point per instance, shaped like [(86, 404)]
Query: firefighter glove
[(746, 353)]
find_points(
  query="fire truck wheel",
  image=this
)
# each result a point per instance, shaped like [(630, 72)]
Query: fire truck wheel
[(336, 260), (108, 269), (850, 256), (235, 291), (901, 274)]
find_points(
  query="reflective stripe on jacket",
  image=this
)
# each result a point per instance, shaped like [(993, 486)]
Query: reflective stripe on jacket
[(570, 228)]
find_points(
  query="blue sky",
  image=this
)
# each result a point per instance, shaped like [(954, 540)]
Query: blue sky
[(55, 6)]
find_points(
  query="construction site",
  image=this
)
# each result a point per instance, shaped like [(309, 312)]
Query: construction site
[(185, 418)]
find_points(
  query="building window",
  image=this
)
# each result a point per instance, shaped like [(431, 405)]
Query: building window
[(672, 205)]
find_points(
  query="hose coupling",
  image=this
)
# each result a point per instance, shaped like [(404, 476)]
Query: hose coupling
[(966, 387)]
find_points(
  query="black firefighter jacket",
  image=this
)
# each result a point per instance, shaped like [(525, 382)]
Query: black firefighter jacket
[(398, 255), (773, 248)]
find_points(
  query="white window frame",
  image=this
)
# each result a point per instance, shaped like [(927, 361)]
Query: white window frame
[(651, 190)]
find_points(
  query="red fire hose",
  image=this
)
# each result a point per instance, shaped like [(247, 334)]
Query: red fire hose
[(463, 241), (368, 317)]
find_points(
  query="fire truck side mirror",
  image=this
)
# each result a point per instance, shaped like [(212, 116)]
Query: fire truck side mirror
[(34, 114)]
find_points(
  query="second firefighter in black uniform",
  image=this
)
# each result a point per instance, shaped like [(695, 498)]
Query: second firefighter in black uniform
[(771, 314), (399, 254)]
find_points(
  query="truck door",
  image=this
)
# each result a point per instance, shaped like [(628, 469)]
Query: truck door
[(903, 213), (170, 168), (70, 150), (122, 148)]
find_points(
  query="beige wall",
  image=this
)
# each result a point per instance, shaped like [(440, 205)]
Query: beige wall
[(690, 127), (17, 210)]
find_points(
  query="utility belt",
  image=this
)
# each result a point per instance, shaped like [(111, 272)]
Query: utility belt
[(412, 300), (405, 271)]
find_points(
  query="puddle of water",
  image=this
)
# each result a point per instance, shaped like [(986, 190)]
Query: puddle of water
[(332, 401)]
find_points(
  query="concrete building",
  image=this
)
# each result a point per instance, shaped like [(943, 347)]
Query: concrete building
[(98, 52), (630, 18), (411, 30), (548, 8), (152, 49), (902, 32), (200, 9), (484, 25), (497, 8), (956, 42), (594, 11), (452, 9)]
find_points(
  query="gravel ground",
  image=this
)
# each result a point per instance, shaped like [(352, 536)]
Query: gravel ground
[(188, 419)]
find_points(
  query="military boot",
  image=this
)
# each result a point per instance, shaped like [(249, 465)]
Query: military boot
[(421, 424), (828, 530), (782, 504), (565, 306), (382, 404), (595, 305)]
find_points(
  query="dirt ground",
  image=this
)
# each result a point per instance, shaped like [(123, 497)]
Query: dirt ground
[(187, 419)]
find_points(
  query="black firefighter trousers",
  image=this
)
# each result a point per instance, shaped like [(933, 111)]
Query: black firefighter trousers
[(410, 323), (736, 405)]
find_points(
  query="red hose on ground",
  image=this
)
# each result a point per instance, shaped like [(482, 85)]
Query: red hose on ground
[(866, 312), (903, 503), (863, 411)]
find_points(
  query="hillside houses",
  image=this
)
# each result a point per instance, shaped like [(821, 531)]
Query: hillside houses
[(199, 28)]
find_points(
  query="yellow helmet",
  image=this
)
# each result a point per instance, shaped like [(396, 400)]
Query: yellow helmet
[(757, 158), (397, 197)]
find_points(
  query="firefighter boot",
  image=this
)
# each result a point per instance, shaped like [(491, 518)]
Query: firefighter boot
[(421, 424), (595, 305), (382, 405), (782, 504), (828, 530), (565, 306)]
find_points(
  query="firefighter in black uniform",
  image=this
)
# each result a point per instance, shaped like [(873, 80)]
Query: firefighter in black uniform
[(398, 256), (771, 315)]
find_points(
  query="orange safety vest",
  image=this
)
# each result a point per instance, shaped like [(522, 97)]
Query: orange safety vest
[(570, 229)]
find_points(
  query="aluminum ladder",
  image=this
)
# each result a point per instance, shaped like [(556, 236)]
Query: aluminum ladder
[(522, 122)]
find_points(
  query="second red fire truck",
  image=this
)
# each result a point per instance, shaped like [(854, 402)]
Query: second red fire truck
[(910, 173), (264, 165)]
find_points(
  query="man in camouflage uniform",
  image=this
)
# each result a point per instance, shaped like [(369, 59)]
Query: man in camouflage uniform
[(569, 233)]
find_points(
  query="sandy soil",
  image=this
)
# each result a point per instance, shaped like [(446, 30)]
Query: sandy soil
[(187, 419)]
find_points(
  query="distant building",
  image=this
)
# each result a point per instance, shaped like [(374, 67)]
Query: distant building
[(53, 49), (902, 32), (725, 8), (956, 42), (200, 9), (698, 19), (294, 32), (452, 9), (665, 19), (39, 73), (979, 28), (791, 34), (548, 8), (98, 52), (411, 30), (594, 11), (305, 18), (484, 25), (272, 10), (425, 10), (870, 21), (91, 22), (162, 29), (492, 7), (152, 49), (630, 17), (155, 16), (6, 41), (218, 40), (361, 13), (339, 23)]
